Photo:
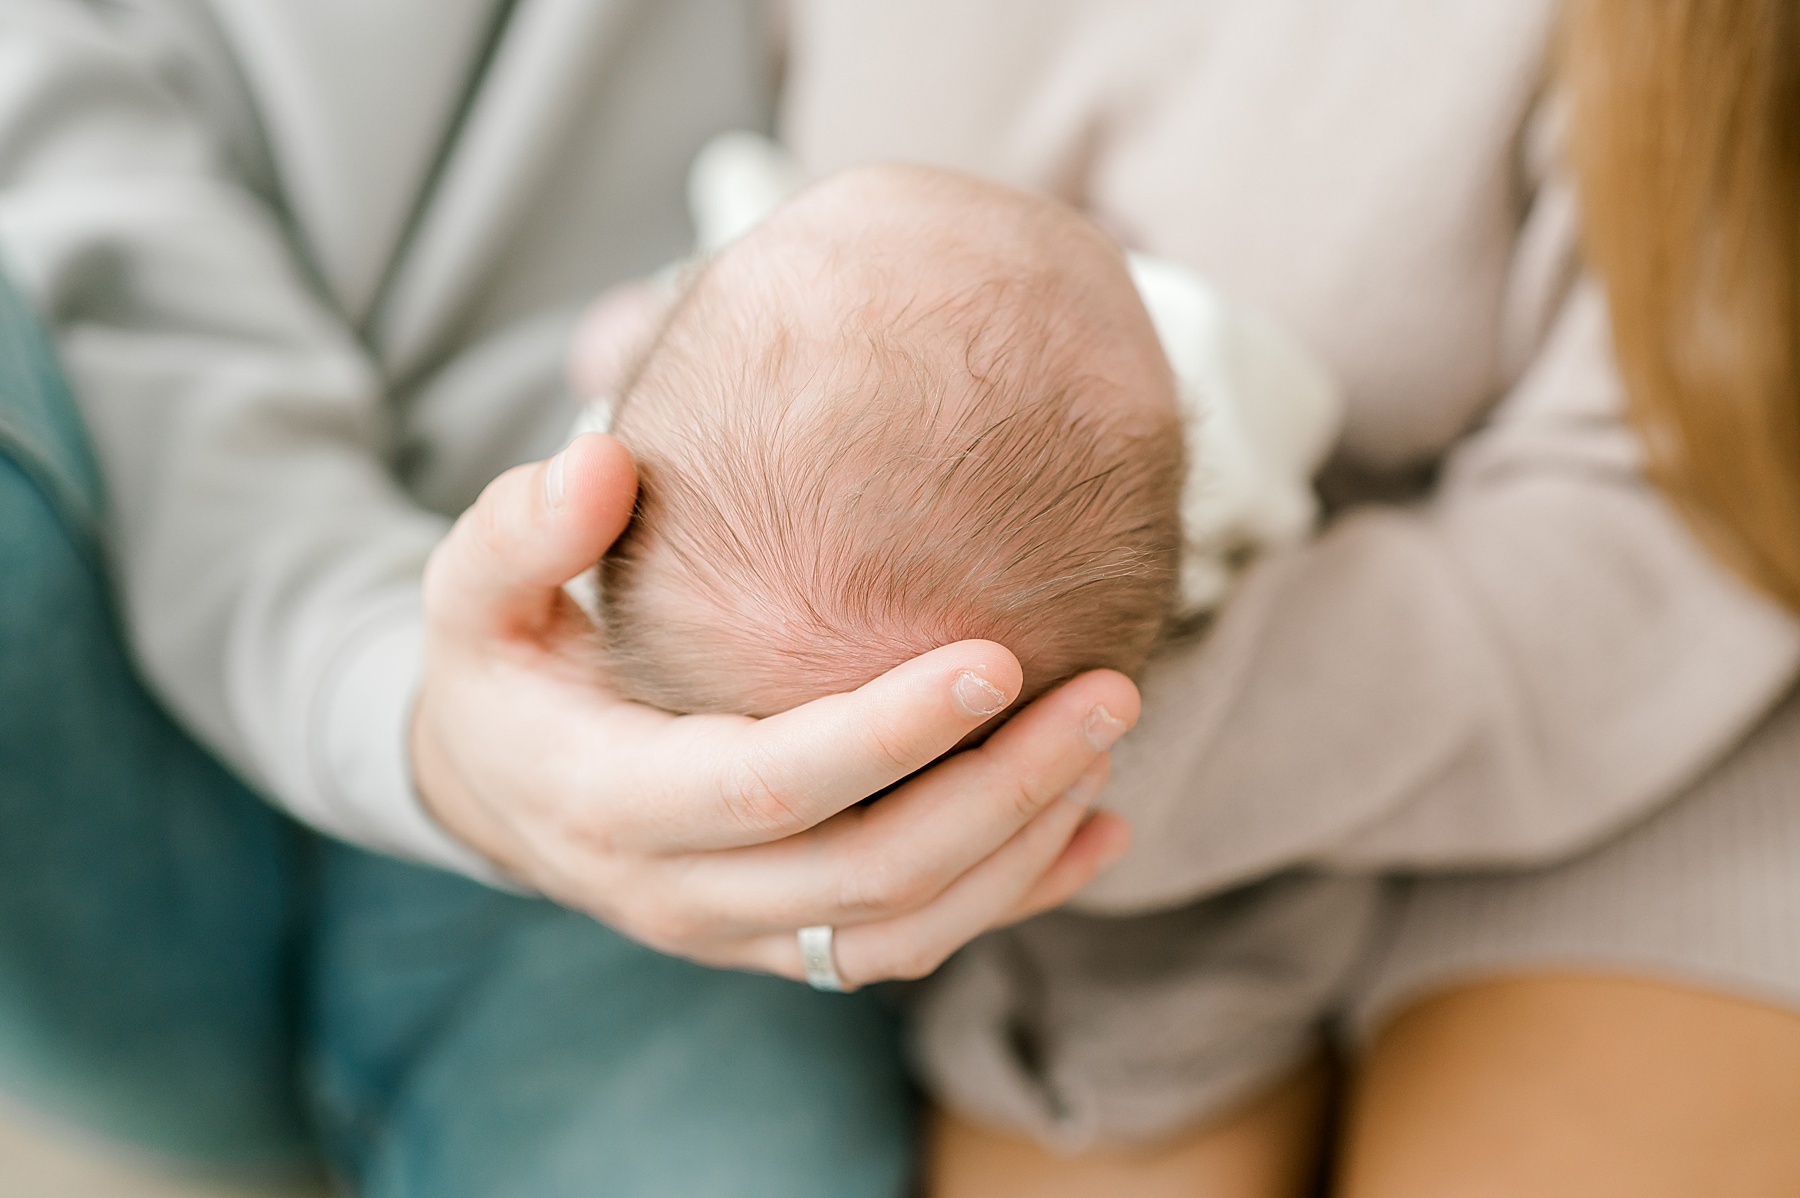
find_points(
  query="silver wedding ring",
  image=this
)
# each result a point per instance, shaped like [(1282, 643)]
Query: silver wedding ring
[(818, 959)]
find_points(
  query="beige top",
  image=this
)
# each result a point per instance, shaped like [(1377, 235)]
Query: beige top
[(1502, 647), (1519, 647)]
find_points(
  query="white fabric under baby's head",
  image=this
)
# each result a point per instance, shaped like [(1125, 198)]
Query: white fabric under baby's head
[(737, 179), (595, 416), (1259, 414)]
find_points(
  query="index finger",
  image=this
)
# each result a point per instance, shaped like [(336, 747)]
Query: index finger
[(777, 776), (903, 852)]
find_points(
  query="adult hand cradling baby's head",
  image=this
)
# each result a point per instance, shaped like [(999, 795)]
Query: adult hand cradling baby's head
[(715, 837)]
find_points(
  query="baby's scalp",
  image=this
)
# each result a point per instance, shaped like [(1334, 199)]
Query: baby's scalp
[(908, 409)]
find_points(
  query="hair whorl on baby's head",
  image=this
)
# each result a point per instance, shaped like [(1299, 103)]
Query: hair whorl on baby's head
[(910, 410)]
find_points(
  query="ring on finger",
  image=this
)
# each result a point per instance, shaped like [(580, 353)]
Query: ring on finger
[(818, 958)]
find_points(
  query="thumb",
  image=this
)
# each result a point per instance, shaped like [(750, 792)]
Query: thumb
[(500, 569)]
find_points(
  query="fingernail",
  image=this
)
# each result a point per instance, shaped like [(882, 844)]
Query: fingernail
[(1102, 728), (1087, 788), (976, 696), (553, 481)]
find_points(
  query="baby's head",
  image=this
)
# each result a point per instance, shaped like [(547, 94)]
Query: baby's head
[(910, 408)]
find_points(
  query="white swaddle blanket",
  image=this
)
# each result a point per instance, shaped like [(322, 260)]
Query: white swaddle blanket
[(1259, 412)]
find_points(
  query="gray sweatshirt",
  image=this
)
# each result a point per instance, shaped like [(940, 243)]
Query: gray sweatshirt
[(311, 267)]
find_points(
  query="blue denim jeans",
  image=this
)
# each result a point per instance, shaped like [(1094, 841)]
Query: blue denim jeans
[(186, 969), (471, 1043)]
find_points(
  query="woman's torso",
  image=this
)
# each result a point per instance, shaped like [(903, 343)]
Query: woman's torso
[(1362, 169)]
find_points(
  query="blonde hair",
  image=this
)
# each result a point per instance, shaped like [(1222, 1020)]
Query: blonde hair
[(1686, 147)]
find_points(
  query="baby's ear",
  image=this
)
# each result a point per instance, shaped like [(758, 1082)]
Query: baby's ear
[(614, 334)]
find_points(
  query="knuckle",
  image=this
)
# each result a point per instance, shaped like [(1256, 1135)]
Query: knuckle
[(909, 963), (579, 834), (668, 928), (721, 956), (610, 895), (675, 913), (1023, 799), (890, 750), (886, 887), (595, 838), (756, 802)]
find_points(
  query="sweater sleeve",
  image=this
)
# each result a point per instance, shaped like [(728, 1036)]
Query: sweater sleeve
[(268, 566), (1529, 658)]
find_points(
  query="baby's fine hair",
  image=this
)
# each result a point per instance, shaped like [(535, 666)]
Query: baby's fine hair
[(854, 449)]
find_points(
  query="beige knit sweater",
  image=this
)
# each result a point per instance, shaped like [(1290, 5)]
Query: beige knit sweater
[(1504, 645)]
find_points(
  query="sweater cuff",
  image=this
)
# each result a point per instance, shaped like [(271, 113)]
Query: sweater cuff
[(362, 766)]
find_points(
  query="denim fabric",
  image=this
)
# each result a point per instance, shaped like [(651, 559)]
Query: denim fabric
[(171, 949), (145, 895), (471, 1043)]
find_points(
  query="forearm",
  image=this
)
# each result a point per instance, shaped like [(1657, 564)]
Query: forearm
[(1534, 657)]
